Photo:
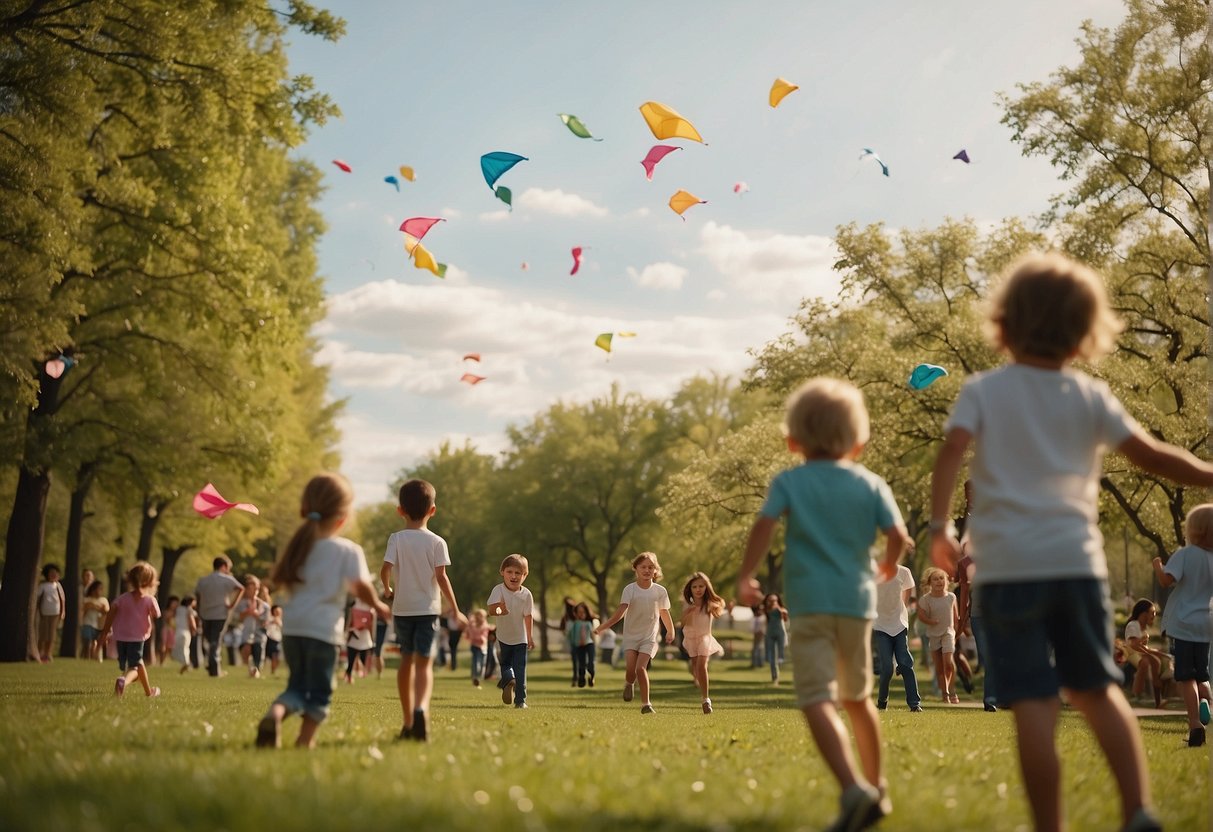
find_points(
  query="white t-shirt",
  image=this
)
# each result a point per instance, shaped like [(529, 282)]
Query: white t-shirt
[(1039, 440), (49, 598), (1186, 615), (640, 622), (939, 609), (511, 628), (891, 614), (1133, 630), (414, 555), (316, 606)]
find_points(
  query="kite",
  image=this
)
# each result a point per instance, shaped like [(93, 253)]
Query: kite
[(576, 127), (493, 165), (925, 375), (682, 200), (505, 195), (472, 378), (656, 153), (59, 365), (525, 265), (667, 124), (343, 165), (210, 504), (740, 188), (418, 226), (867, 151), (780, 89), (963, 156), (603, 341), (472, 356), (576, 260), (391, 180), (422, 259), (406, 172)]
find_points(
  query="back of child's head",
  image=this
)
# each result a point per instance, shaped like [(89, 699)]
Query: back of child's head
[(48, 569), (517, 562), (187, 601), (141, 575), (827, 417), (712, 603), (325, 497), (1049, 306), (220, 562), (1198, 526), (651, 558), (416, 499), (1142, 606), (173, 599)]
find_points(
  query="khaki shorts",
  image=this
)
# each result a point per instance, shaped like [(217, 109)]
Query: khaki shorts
[(47, 626), (945, 642), (831, 658)]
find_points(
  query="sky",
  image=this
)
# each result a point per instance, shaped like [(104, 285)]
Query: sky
[(435, 86)]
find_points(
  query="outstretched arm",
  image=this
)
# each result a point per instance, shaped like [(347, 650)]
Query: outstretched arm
[(1166, 460), (945, 550), (1165, 578), (756, 548), (613, 620)]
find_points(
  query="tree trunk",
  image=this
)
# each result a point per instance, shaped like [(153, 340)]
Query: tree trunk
[(72, 590), (26, 527), (545, 653), (604, 602), (167, 567), (113, 571), (152, 509)]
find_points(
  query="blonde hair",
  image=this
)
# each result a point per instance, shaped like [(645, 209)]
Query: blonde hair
[(1049, 306), (649, 556), (1198, 526), (519, 561), (479, 615), (930, 572), (712, 603), (827, 416), (141, 575), (325, 497)]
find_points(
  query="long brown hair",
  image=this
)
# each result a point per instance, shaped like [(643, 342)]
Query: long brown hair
[(326, 496), (713, 604)]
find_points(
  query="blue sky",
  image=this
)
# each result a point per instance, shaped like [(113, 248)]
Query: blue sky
[(434, 86)]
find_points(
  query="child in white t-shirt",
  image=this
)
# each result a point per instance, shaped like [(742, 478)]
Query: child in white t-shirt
[(511, 603), (937, 609), (644, 605)]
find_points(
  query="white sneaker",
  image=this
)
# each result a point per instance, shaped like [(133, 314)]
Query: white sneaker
[(859, 808)]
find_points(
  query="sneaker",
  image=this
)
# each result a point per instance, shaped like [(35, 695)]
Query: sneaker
[(707, 706), (953, 699), (581, 683), (520, 705), (647, 709), (267, 732), (991, 708), (419, 731), (1142, 821), (1196, 737), (1204, 712), (153, 693), (859, 809), (917, 709), (507, 692), (882, 706), (627, 691), (406, 733), (886, 803), (475, 683), (591, 684), (120, 686)]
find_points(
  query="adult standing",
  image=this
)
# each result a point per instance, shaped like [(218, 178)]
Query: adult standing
[(215, 593)]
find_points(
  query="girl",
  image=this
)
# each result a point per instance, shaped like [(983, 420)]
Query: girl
[(702, 605), (1147, 661), (95, 607), (478, 640), (52, 607), (168, 628), (187, 627), (580, 635), (776, 633), (649, 605), (132, 617), (273, 638), (316, 570), (937, 609), (360, 641), (250, 612)]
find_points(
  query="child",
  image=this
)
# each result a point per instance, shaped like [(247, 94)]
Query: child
[(891, 631), (937, 609), (644, 605), (273, 637), (580, 636), (168, 628), (702, 605), (834, 508), (414, 577), (316, 570), (1147, 661), (186, 626), (606, 644), (1186, 616), (513, 605), (478, 640), (359, 640), (52, 607), (132, 617), (1040, 429), (250, 612), (776, 633), (95, 607)]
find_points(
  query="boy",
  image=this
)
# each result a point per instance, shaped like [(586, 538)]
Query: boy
[(512, 604), (52, 608), (1186, 617), (834, 507), (414, 578), (1040, 430)]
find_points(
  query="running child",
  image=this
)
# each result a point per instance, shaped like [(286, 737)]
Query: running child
[(580, 636), (937, 609), (132, 617), (186, 629), (702, 606), (513, 607), (644, 606), (478, 642)]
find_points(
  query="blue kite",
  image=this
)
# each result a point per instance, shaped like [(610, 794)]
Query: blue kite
[(493, 165), (391, 180), (925, 375)]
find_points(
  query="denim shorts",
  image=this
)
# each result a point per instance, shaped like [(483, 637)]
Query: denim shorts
[(1191, 660), (416, 634), (88, 632), (1046, 635), (309, 687), (130, 655)]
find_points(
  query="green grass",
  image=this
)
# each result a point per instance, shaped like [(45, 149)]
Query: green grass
[(73, 757)]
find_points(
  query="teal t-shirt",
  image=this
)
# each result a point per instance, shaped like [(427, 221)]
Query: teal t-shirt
[(834, 509)]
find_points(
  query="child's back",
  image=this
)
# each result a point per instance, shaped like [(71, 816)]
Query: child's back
[(413, 555)]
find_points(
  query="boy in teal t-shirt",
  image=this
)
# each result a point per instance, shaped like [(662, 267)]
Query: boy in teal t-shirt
[(834, 507)]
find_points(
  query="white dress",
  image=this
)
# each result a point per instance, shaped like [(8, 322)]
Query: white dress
[(181, 644)]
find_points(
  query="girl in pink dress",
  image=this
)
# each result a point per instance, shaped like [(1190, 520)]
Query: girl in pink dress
[(702, 605)]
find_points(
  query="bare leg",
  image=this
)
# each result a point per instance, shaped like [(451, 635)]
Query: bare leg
[(629, 672), (1035, 728), (1187, 690), (423, 682), (642, 677), (404, 687), (307, 733), (1112, 721), (831, 738), (949, 673), (699, 669), (866, 724), (940, 675)]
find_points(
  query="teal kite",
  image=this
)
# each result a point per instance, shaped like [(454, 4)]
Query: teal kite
[(924, 375), (493, 165), (505, 195), (576, 127)]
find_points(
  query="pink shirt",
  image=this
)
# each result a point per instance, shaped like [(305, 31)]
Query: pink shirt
[(478, 636), (133, 616)]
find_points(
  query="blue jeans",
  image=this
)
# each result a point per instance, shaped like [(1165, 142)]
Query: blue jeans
[(477, 662), (979, 635), (513, 669), (888, 649), (583, 662), (310, 687), (212, 631), (773, 642)]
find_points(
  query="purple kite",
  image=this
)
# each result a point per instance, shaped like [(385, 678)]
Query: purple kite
[(210, 504), (655, 155), (963, 156)]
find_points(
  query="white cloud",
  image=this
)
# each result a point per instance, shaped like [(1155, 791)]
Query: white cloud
[(774, 267), (495, 216), (659, 276), (558, 203), (451, 213), (717, 294)]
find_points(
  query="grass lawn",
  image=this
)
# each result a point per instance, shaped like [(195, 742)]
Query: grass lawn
[(73, 757)]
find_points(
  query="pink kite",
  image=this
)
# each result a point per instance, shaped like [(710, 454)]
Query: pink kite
[(656, 153), (740, 188), (576, 260), (525, 265), (472, 356), (210, 504), (418, 226), (343, 165), (472, 378)]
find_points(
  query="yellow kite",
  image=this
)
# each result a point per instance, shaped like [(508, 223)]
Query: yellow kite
[(407, 172), (682, 200), (780, 89), (422, 259), (667, 124)]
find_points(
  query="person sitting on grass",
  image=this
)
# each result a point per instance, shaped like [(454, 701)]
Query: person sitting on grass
[(132, 617), (1147, 661)]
